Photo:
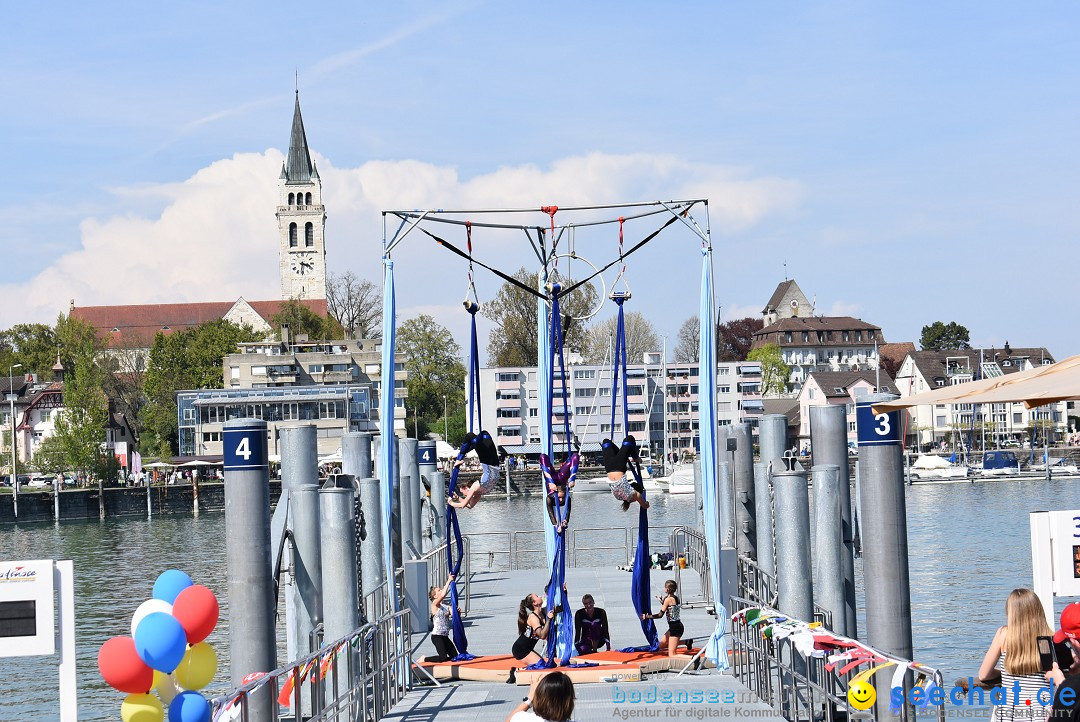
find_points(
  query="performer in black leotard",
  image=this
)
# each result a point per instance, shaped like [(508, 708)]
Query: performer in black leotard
[(488, 455), (616, 461), (531, 629)]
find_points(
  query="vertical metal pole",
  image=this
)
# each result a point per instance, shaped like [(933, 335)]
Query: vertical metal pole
[(64, 580), (410, 494), (356, 454), (828, 544), (338, 540), (428, 463), (438, 509), (828, 439), (251, 585), (884, 531), (725, 511), (699, 512), (772, 439), (766, 551), (793, 576), (371, 551), (745, 530)]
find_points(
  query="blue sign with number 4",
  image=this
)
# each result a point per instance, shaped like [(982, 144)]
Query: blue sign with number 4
[(245, 446)]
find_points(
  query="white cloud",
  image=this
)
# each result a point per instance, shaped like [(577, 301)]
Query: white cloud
[(843, 308), (216, 238)]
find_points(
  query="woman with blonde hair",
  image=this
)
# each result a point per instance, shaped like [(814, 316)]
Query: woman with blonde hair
[(1014, 652)]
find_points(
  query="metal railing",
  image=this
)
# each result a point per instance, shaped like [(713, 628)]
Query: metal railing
[(357, 678), (689, 544), (437, 566), (524, 549), (377, 602), (797, 687)]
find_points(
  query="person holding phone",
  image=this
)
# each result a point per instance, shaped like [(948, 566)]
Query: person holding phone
[(1064, 671), (1015, 651)]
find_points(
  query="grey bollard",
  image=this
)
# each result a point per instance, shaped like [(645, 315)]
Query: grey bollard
[(724, 502), (743, 470), (884, 530), (356, 454), (252, 638), (438, 509), (371, 551), (410, 496), (338, 538), (772, 439), (763, 520), (415, 577), (793, 576), (428, 461), (828, 544), (828, 440), (699, 512), (300, 481)]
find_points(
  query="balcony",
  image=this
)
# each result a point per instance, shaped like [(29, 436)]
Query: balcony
[(336, 377), (503, 403)]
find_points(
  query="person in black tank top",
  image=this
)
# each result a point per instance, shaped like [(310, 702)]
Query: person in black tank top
[(533, 625)]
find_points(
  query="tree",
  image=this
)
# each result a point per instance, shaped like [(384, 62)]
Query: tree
[(302, 320), (190, 359), (640, 338), (80, 424), (356, 304), (31, 344), (940, 336), (688, 340), (734, 338), (774, 372), (433, 365)]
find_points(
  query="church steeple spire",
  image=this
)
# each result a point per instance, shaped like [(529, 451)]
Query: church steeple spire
[(298, 167)]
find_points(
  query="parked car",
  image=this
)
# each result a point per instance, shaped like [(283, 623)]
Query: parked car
[(40, 481)]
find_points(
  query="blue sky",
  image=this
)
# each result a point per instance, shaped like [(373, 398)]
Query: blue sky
[(909, 162)]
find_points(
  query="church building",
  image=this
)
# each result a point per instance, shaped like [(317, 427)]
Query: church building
[(301, 220)]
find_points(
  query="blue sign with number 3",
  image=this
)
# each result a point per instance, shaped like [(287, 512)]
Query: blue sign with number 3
[(876, 429)]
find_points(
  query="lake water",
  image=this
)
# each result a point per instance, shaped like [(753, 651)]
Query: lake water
[(969, 547)]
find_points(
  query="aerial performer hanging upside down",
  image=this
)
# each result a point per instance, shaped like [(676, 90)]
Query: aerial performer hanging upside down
[(488, 454), (616, 461)]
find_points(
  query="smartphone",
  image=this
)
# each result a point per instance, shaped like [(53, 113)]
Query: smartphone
[(1046, 649)]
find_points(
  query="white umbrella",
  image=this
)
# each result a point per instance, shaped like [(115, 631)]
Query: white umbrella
[(157, 465), (196, 462)]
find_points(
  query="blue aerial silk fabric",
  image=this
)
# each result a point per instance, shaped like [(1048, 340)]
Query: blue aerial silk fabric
[(716, 648), (543, 366), (453, 564), (388, 445)]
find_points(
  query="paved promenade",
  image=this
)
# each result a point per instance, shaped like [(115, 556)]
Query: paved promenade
[(491, 627)]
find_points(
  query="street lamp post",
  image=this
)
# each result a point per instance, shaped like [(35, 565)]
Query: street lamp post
[(14, 475), (445, 423)]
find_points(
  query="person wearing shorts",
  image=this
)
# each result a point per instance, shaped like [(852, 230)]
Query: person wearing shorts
[(671, 608), (616, 461), (488, 455)]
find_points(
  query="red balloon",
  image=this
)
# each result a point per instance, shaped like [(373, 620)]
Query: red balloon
[(196, 608), (121, 667)]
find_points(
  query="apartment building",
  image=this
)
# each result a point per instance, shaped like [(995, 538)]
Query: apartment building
[(662, 403), (822, 343), (845, 388), (1007, 422), (334, 385)]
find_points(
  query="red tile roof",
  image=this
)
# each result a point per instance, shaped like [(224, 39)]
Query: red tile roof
[(135, 326)]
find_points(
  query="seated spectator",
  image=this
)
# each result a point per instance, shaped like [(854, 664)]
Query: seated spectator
[(590, 627)]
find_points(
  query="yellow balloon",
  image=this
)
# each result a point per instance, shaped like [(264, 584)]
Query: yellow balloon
[(198, 667), (141, 708), (165, 686)]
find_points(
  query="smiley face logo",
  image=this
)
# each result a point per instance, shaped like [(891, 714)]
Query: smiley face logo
[(861, 695)]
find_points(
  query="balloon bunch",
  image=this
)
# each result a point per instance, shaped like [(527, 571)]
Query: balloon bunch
[(165, 653)]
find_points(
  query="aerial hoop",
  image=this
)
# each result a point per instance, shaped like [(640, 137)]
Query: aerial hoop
[(556, 277)]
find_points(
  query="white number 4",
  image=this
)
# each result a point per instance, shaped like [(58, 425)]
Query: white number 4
[(244, 449), (884, 428)]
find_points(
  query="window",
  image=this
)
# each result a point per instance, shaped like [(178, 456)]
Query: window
[(510, 432), (532, 393), (46, 414), (584, 373), (315, 368), (851, 426), (806, 336), (810, 393), (1018, 418), (307, 199), (605, 391), (787, 337), (502, 376), (234, 372), (292, 235), (939, 421), (258, 371), (292, 199), (211, 436), (309, 234), (534, 413), (582, 410), (723, 370), (585, 392), (724, 388)]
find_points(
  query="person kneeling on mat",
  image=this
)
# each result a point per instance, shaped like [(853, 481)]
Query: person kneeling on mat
[(488, 455), (440, 624), (616, 461), (590, 627)]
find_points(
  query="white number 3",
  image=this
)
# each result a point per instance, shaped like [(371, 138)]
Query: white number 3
[(883, 429)]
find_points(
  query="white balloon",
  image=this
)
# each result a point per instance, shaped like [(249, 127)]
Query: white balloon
[(148, 607)]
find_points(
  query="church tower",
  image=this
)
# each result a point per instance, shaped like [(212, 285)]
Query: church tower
[(301, 220)]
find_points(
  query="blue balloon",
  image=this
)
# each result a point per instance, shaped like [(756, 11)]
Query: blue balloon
[(189, 707), (160, 641), (170, 583)]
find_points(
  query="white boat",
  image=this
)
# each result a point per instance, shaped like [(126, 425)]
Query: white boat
[(1057, 465), (999, 463), (680, 480), (600, 483), (935, 467)]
